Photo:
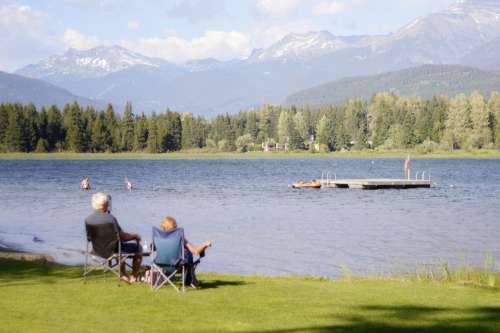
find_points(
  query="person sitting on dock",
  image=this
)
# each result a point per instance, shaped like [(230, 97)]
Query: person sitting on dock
[(101, 203), (85, 183)]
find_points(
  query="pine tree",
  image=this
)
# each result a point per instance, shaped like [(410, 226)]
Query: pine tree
[(153, 142), (55, 129), (252, 125), (187, 131), (172, 141), (75, 129), (29, 127), (4, 123), (111, 123), (14, 131), (494, 106), (141, 133), (127, 127), (100, 137), (42, 125)]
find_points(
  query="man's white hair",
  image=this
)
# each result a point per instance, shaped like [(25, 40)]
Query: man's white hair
[(100, 200)]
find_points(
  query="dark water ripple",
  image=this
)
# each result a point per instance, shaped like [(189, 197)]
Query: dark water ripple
[(258, 224)]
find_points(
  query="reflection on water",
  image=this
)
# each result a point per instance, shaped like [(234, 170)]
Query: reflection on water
[(258, 224)]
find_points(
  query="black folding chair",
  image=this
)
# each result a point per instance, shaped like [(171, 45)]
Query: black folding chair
[(104, 250)]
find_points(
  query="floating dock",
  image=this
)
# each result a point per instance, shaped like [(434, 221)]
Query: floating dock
[(376, 184)]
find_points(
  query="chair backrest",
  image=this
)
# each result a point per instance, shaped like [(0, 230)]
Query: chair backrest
[(104, 238), (169, 246)]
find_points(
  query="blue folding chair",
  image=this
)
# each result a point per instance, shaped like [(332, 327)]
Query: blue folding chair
[(169, 257)]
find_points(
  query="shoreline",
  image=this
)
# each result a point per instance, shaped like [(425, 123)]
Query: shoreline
[(204, 155), (7, 252)]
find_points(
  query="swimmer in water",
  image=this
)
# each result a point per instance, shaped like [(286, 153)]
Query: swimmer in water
[(85, 184), (128, 184)]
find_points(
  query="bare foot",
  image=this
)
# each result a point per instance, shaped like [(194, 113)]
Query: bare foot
[(126, 279)]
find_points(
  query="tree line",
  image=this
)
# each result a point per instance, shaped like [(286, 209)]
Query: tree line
[(386, 121)]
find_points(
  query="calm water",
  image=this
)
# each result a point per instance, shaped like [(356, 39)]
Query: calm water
[(257, 223)]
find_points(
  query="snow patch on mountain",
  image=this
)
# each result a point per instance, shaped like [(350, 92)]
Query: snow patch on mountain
[(92, 63)]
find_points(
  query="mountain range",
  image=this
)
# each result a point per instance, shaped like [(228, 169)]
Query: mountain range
[(17, 88), (423, 81), (467, 33)]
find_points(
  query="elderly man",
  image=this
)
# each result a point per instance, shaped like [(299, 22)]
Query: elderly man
[(101, 202)]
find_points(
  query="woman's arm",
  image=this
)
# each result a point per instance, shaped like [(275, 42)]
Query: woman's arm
[(199, 249)]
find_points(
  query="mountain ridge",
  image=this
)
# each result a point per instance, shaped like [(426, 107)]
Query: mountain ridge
[(423, 81), (465, 33)]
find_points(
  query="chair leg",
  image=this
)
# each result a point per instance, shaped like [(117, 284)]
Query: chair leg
[(86, 264), (183, 278)]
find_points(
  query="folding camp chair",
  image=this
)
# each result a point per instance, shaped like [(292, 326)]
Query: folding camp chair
[(169, 258), (104, 249)]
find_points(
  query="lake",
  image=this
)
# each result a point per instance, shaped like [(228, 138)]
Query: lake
[(257, 223)]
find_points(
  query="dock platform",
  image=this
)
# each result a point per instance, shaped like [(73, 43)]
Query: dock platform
[(376, 184)]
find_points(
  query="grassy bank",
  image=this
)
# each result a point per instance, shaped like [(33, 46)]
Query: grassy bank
[(38, 297), (202, 155)]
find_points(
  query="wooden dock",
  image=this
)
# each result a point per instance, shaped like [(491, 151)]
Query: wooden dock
[(376, 184)]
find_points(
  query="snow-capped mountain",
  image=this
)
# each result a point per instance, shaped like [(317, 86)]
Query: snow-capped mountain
[(305, 46), (468, 32), (95, 62)]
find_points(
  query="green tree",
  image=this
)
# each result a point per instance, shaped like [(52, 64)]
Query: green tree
[(480, 118), (127, 128), (494, 105), (458, 124), (284, 126), (55, 129), (141, 133), (14, 140), (75, 129), (4, 123), (252, 125), (301, 126), (29, 127), (100, 137), (324, 132)]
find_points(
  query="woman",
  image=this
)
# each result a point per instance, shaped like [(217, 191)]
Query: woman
[(169, 224), (85, 184)]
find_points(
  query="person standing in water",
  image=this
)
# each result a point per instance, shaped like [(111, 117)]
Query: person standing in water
[(128, 184), (85, 183), (407, 167)]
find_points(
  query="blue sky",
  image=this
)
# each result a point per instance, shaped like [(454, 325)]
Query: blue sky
[(180, 30)]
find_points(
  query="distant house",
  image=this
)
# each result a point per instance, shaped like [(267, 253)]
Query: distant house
[(272, 146)]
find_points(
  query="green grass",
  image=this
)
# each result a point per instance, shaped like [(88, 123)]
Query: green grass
[(42, 297), (203, 155)]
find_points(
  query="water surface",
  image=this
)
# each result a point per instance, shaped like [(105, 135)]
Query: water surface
[(258, 224)]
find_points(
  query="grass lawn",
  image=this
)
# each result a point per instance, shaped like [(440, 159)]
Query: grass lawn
[(203, 155), (37, 297)]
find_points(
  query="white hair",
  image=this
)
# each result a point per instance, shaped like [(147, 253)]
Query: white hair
[(100, 200)]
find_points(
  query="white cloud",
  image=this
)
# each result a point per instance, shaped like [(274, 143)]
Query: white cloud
[(335, 7), (197, 10), (23, 36), (222, 45), (278, 8), (76, 40), (133, 25)]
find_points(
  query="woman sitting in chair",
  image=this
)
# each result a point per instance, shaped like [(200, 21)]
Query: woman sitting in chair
[(169, 224)]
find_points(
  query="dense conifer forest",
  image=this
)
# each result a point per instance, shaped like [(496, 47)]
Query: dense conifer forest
[(386, 121)]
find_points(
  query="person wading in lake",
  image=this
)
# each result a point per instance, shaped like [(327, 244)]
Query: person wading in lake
[(128, 184), (101, 202), (85, 183)]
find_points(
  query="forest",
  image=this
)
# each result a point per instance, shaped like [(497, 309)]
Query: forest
[(384, 122)]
